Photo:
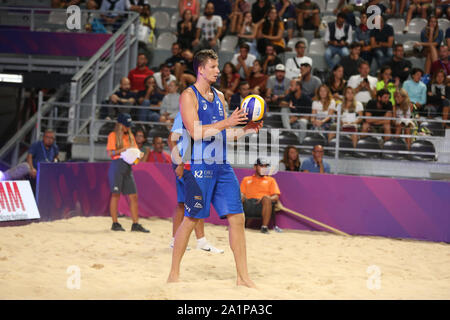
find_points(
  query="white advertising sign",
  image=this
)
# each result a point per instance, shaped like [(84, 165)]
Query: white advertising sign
[(17, 201)]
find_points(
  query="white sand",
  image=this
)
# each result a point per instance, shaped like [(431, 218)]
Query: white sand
[(34, 260)]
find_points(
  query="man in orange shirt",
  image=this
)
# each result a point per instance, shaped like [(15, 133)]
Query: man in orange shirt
[(259, 194), (157, 154)]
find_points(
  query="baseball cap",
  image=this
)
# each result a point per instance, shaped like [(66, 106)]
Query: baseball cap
[(125, 119), (262, 162), (280, 67)]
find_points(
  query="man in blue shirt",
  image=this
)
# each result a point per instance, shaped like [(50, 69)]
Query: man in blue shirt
[(42, 151), (315, 163)]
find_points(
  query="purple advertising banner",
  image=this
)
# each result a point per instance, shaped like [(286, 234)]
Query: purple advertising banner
[(397, 208), (51, 43)]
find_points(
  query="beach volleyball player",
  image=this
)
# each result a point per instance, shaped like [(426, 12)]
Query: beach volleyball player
[(209, 178)]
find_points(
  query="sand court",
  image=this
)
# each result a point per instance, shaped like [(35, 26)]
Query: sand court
[(80, 258)]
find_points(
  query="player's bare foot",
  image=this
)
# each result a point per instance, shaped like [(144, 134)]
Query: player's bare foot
[(173, 278), (247, 283)]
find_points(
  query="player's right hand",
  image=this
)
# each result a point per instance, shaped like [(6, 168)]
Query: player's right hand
[(237, 117)]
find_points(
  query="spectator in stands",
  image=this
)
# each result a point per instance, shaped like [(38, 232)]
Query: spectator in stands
[(243, 60), (170, 103), (186, 30), (247, 33), (417, 7), (399, 65), (149, 98), (291, 160), (222, 8), (229, 80), (175, 58), (259, 10), (141, 142), (364, 84), (287, 14), (316, 164), (447, 37), (337, 37), (385, 81), (442, 7), (123, 97), (148, 21), (379, 107), (323, 107), (337, 83), (351, 6), (417, 90), (351, 113), (258, 79), (236, 99), (308, 17), (403, 112), (162, 78), (438, 97), (270, 31), (193, 6), (139, 74), (277, 86), (310, 83), (259, 193), (270, 60), (185, 69), (113, 20), (240, 8), (362, 36), (381, 42), (298, 102), (63, 4), (45, 150), (93, 24), (137, 5), (431, 38), (293, 64), (443, 63), (209, 30), (158, 155), (387, 7), (352, 61)]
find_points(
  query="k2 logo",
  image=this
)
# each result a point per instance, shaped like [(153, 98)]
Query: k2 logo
[(74, 18), (198, 174)]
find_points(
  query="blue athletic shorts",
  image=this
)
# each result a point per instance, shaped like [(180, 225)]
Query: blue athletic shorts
[(215, 184)]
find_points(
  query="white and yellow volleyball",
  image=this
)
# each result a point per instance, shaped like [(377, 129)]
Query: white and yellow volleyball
[(255, 107)]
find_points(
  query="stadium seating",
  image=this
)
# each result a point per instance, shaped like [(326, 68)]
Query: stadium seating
[(165, 40), (162, 20), (422, 146), (443, 24), (416, 25), (159, 131), (288, 138), (229, 43), (394, 145), (154, 3), (397, 24), (344, 142), (434, 127), (368, 143), (312, 140), (174, 21), (408, 47), (331, 5), (272, 121), (173, 4)]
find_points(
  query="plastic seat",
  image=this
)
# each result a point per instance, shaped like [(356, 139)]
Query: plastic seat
[(394, 145), (322, 5), (408, 47), (154, 3), (312, 140), (159, 56), (173, 4), (416, 25), (397, 24), (422, 146), (328, 19), (435, 128), (344, 142), (229, 43), (159, 131), (162, 19), (317, 46), (273, 121), (368, 143), (288, 138), (165, 40), (174, 21), (331, 5), (443, 24)]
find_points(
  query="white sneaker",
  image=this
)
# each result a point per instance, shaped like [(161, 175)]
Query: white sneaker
[(171, 245), (406, 29), (278, 229), (206, 246)]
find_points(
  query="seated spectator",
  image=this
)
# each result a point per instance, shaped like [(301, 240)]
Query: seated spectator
[(352, 61), (365, 85), (337, 83), (417, 90), (162, 78), (442, 7), (247, 33), (351, 113), (385, 81), (141, 142), (308, 17), (63, 4), (259, 193), (229, 80), (443, 63), (293, 64), (259, 10), (387, 7), (186, 30), (175, 58), (113, 20), (236, 99), (438, 97), (137, 5), (148, 21), (379, 107), (291, 160), (45, 150), (223, 9), (351, 6), (243, 60), (149, 98), (431, 38), (139, 74), (316, 164), (381, 42), (323, 106), (270, 60), (287, 14), (193, 6), (338, 36), (94, 24), (258, 80), (184, 70), (158, 155), (399, 65), (209, 30), (362, 36), (310, 83), (270, 31), (447, 37), (298, 102), (123, 97), (417, 7), (277, 86), (403, 112), (240, 8), (170, 104)]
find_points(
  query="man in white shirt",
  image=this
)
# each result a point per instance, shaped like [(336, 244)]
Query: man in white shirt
[(365, 85), (209, 30), (338, 36), (293, 64), (163, 77), (243, 61)]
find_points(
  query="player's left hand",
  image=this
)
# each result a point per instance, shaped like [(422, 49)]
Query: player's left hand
[(253, 127)]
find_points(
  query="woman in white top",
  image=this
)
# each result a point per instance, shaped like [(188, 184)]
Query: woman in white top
[(323, 107), (403, 112), (351, 113)]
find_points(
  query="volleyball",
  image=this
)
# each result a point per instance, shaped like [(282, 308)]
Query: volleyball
[(255, 107)]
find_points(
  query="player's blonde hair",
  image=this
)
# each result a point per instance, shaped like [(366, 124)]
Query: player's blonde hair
[(119, 136)]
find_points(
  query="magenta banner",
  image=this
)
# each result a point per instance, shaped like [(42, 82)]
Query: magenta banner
[(396, 208)]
